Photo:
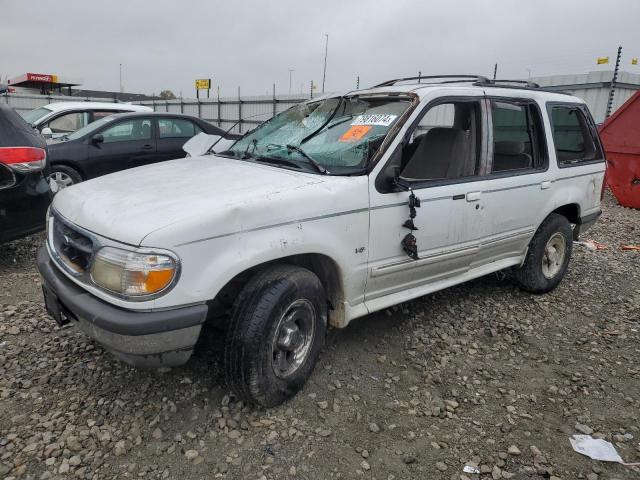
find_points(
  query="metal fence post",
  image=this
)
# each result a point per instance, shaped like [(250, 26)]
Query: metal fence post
[(219, 109), (239, 112), (274, 100), (199, 109)]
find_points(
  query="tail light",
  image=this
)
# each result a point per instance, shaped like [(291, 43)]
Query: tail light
[(23, 159)]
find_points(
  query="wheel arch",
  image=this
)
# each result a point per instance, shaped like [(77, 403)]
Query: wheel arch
[(69, 164), (571, 211), (322, 265)]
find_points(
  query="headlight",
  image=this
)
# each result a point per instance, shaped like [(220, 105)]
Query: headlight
[(132, 273)]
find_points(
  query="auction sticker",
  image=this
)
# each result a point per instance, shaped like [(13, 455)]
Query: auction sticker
[(355, 133), (374, 119)]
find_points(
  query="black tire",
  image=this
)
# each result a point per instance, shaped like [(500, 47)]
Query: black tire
[(531, 276), (249, 355), (69, 172)]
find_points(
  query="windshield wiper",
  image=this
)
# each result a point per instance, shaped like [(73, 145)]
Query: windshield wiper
[(312, 161), (277, 161)]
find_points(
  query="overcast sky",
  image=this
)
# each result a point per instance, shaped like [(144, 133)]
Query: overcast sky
[(166, 44)]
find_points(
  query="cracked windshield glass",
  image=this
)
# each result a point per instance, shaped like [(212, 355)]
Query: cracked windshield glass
[(336, 135)]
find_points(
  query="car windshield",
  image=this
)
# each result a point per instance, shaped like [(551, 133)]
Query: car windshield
[(32, 116), (89, 128), (340, 134)]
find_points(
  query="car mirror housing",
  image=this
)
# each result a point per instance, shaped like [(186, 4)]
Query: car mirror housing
[(47, 132), (97, 138)]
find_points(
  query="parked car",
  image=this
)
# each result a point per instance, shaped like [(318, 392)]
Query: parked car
[(122, 141), (24, 191), (331, 210), (62, 118)]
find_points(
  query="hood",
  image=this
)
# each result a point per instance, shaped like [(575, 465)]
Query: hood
[(188, 194)]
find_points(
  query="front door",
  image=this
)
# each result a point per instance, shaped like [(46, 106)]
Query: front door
[(440, 161), (128, 143)]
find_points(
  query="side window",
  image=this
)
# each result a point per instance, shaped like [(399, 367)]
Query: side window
[(99, 114), (138, 129), (445, 144), (69, 122), (176, 128), (517, 142), (572, 136)]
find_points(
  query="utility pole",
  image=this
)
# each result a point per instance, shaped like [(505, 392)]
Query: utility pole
[(419, 76), (326, 48), (495, 71), (291, 70), (613, 82), (358, 83), (121, 89)]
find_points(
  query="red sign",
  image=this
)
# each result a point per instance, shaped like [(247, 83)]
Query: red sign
[(40, 77)]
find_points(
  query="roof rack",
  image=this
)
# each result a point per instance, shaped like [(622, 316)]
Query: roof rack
[(526, 83), (467, 78)]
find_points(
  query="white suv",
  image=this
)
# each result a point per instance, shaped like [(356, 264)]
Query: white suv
[(333, 209), (62, 118)]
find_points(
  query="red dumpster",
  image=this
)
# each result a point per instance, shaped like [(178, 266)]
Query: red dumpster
[(620, 135)]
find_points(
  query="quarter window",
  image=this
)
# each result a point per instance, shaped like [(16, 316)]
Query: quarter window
[(176, 128), (445, 144), (572, 136), (517, 130), (128, 130)]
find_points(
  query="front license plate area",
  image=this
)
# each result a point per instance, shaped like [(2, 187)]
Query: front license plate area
[(53, 306)]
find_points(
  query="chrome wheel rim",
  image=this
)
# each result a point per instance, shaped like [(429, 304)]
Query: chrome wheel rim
[(62, 179), (294, 335), (554, 253)]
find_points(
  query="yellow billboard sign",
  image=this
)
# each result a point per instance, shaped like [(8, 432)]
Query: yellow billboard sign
[(203, 84)]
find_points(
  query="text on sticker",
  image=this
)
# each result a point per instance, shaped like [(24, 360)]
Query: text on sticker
[(374, 119)]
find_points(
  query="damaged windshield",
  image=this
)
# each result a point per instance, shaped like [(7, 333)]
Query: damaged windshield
[(336, 135)]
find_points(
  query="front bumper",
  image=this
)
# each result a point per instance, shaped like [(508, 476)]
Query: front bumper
[(143, 339)]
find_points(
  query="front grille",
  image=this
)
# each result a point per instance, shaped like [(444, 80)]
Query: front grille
[(73, 248)]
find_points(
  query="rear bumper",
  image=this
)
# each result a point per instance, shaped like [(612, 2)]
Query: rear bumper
[(23, 207), (143, 339), (585, 223)]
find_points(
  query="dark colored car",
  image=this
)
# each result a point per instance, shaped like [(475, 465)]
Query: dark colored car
[(24, 190), (123, 141)]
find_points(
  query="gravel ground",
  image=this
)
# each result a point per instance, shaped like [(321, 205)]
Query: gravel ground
[(481, 374)]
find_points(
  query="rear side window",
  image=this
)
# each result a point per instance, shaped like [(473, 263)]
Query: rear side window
[(517, 141), (573, 136), (176, 128)]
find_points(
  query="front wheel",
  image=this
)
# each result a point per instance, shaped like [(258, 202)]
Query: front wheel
[(548, 256), (276, 332)]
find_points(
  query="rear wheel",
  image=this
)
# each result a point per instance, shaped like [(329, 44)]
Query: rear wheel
[(276, 332), (64, 176), (548, 256)]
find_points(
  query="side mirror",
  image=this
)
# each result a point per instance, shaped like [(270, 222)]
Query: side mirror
[(47, 132), (97, 138)]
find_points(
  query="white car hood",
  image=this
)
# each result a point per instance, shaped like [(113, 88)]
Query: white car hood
[(191, 194)]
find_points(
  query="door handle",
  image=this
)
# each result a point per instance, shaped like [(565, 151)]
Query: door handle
[(146, 147), (458, 197), (546, 184), (473, 196)]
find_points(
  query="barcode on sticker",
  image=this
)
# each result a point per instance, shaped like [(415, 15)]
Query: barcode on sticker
[(374, 119)]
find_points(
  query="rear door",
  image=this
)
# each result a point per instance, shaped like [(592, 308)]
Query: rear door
[(518, 181), (173, 133), (128, 143)]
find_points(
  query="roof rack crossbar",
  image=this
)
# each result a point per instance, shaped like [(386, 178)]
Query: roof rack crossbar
[(477, 78)]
